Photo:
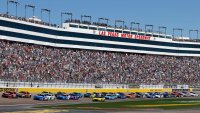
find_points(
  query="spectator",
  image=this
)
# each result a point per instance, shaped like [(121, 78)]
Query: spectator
[(21, 62)]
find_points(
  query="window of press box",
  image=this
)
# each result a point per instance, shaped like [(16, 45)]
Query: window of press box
[(169, 37), (127, 32), (155, 36), (101, 29), (83, 27), (75, 26), (148, 34), (110, 30), (141, 34), (93, 28), (162, 36), (118, 31), (134, 33)]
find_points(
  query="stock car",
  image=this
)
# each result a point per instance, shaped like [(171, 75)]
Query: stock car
[(10, 94), (121, 95), (131, 95), (41, 97), (192, 94), (87, 95), (44, 97), (63, 97), (166, 95), (138, 95), (24, 94), (175, 94), (110, 97), (78, 94), (60, 94), (98, 99), (73, 97)]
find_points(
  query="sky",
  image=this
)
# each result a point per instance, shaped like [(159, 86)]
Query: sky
[(183, 14)]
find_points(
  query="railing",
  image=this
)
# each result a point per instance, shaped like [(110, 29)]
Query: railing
[(6, 84)]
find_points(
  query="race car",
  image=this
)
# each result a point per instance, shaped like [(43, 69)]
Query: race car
[(98, 99), (110, 97), (10, 94), (176, 94), (192, 94), (87, 95), (166, 95), (78, 94), (60, 93), (24, 94), (73, 97), (44, 97), (121, 95), (131, 95), (63, 96), (40, 97)]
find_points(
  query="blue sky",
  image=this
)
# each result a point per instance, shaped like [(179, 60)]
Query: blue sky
[(170, 13)]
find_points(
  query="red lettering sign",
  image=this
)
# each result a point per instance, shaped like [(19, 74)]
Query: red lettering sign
[(123, 35)]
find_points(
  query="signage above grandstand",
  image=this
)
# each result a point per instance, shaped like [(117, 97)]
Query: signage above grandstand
[(124, 35)]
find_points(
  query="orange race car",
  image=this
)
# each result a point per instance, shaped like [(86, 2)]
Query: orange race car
[(131, 95), (24, 94)]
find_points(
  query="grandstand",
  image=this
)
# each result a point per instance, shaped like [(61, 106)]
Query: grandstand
[(21, 62)]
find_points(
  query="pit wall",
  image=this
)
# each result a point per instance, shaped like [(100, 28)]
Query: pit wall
[(39, 90), (55, 90)]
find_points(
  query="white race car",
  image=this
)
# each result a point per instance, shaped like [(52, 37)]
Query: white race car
[(192, 94), (51, 96)]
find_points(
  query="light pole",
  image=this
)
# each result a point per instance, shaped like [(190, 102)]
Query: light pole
[(30, 6), (47, 10), (106, 19), (13, 2), (165, 29), (65, 13), (85, 16), (119, 21), (138, 26), (147, 25), (194, 30), (177, 29)]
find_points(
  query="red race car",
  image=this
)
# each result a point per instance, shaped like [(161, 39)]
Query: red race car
[(10, 94)]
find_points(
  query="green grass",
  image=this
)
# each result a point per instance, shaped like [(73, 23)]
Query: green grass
[(139, 104)]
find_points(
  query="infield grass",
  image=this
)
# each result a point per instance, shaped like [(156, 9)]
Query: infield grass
[(166, 104)]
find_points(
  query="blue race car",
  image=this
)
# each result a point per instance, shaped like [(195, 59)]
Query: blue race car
[(87, 95), (121, 95), (78, 94), (73, 97), (110, 97), (63, 97), (40, 97)]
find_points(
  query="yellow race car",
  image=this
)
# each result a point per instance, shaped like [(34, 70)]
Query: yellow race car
[(98, 99)]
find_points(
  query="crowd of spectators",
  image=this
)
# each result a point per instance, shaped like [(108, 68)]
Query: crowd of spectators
[(35, 63)]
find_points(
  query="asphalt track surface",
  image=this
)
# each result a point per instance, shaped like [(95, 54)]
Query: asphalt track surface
[(23, 105)]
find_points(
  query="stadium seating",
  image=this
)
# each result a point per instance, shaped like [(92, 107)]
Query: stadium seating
[(34, 63)]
